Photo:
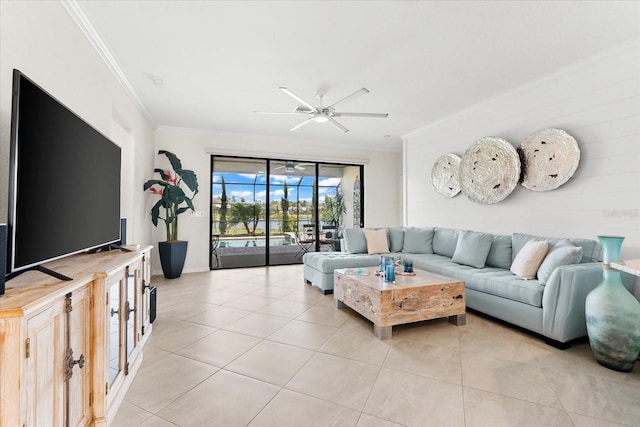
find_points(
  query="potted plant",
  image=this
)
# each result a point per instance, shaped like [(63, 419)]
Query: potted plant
[(174, 201)]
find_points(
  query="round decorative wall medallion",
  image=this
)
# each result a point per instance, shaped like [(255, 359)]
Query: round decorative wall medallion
[(549, 158), (489, 170), (444, 175)]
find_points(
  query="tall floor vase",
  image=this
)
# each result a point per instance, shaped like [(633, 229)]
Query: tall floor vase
[(613, 314)]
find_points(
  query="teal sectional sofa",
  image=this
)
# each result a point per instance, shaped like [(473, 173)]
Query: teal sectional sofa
[(551, 305)]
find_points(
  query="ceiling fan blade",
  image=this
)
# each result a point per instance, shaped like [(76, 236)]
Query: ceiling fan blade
[(381, 115), (291, 113), (301, 124), (353, 95), (298, 167), (297, 98), (338, 125)]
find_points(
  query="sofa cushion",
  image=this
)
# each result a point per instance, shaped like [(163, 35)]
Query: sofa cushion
[(500, 252), (326, 262), (377, 242), (562, 253), (529, 259), (396, 239), (418, 240), (591, 249), (354, 241), (445, 241), (472, 248), (489, 280)]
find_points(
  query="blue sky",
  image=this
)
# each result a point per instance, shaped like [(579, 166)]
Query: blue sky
[(244, 188)]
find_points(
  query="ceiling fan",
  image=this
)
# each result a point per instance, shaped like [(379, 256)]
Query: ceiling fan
[(293, 166), (323, 114)]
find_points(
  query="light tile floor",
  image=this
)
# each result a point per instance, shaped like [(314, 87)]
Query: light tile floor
[(258, 347)]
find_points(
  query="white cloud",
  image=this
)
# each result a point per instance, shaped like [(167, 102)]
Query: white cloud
[(247, 195), (277, 193), (248, 175), (329, 182)]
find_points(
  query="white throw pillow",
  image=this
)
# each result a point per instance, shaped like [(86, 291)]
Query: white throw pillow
[(377, 242), (528, 260)]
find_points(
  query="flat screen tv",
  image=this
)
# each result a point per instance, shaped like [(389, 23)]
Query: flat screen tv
[(64, 195)]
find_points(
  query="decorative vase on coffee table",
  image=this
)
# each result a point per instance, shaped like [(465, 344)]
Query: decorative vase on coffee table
[(613, 314)]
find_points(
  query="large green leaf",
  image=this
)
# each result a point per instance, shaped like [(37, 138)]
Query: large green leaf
[(189, 177), (173, 159), (174, 194), (189, 203), (155, 212), (162, 173), (153, 182)]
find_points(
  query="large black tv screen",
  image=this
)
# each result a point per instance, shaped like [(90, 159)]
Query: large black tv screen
[(65, 181)]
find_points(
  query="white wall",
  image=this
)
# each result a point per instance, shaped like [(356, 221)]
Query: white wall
[(42, 40), (382, 175), (598, 102)]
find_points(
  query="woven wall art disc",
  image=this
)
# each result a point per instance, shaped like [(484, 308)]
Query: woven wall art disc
[(444, 175), (550, 157), (489, 170)]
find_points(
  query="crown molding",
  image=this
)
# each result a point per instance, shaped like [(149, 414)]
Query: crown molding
[(81, 19)]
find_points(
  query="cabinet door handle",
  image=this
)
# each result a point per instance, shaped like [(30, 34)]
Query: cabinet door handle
[(113, 312), (128, 310), (70, 363)]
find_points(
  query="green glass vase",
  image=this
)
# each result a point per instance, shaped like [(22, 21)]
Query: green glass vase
[(613, 314)]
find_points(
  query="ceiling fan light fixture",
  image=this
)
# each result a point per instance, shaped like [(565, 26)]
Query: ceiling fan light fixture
[(321, 118)]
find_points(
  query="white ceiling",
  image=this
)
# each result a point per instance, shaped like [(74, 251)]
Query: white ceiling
[(422, 60)]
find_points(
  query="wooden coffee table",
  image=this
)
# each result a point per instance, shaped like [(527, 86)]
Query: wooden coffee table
[(410, 299)]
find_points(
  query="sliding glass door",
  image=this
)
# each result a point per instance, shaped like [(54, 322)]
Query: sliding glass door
[(272, 212)]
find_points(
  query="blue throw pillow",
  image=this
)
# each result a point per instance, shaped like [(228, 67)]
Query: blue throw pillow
[(562, 253), (354, 241), (445, 241), (396, 238), (472, 248), (591, 249), (500, 252), (418, 240)]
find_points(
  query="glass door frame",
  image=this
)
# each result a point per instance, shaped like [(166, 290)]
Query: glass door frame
[(317, 164)]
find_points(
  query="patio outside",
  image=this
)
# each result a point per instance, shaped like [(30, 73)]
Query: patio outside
[(252, 212)]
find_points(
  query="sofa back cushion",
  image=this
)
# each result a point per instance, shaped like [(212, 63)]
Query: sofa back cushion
[(418, 240), (445, 241), (591, 249), (354, 241), (500, 252), (472, 248), (396, 239)]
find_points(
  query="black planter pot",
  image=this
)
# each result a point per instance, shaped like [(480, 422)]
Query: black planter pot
[(172, 256)]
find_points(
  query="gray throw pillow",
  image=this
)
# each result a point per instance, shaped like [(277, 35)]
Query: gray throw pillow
[(354, 241), (472, 248), (418, 240), (445, 241)]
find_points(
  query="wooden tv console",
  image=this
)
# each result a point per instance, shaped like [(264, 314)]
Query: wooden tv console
[(69, 350)]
